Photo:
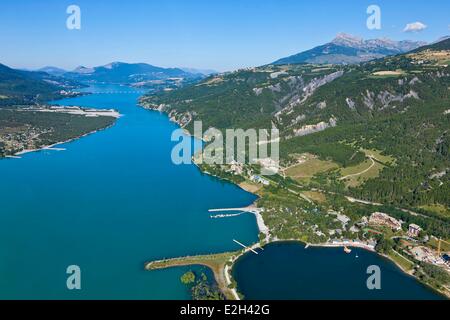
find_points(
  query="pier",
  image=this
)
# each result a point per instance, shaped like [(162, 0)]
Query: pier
[(119, 92), (226, 215), (54, 149), (245, 247), (252, 209)]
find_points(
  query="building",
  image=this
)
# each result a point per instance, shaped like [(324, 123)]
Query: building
[(414, 230), (382, 219), (363, 222), (236, 168), (425, 254), (259, 179)]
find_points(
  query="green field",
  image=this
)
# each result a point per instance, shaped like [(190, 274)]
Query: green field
[(402, 261), (387, 74), (445, 246), (310, 167), (369, 169), (438, 208), (315, 196)]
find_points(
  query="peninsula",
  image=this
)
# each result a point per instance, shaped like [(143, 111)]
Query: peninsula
[(28, 128)]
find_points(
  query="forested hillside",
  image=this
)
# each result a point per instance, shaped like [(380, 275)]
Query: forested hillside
[(392, 111), (26, 87), (26, 123)]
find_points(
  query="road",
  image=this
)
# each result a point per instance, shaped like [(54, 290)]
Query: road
[(360, 173)]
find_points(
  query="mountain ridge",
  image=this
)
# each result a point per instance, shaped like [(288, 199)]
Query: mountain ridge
[(348, 49), (398, 105), (128, 73), (27, 87), (52, 70)]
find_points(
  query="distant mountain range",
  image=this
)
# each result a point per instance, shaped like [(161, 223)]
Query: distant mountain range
[(348, 49), (398, 105), (129, 73), (205, 72), (52, 70), (49, 83), (24, 87)]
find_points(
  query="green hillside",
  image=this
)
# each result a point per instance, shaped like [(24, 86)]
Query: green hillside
[(245, 98), (23, 87), (398, 106), (26, 124)]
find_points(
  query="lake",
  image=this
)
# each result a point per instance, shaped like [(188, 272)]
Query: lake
[(109, 203), (287, 270), (114, 200)]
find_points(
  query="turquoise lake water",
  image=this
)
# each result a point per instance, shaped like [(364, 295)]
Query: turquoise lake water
[(109, 203), (113, 200), (289, 271)]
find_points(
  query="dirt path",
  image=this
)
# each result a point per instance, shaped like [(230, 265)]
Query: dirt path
[(362, 172)]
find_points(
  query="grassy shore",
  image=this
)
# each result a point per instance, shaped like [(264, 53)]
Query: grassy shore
[(216, 262), (221, 265)]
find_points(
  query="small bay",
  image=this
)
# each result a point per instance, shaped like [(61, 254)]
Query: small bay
[(287, 270)]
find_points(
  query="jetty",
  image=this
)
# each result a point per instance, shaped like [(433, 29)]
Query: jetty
[(226, 215), (54, 149), (245, 247), (251, 209)]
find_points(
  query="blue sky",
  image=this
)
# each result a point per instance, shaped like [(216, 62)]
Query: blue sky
[(221, 35)]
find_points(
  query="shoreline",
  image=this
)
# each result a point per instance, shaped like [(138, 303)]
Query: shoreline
[(19, 154), (324, 245), (223, 274), (260, 218), (329, 245)]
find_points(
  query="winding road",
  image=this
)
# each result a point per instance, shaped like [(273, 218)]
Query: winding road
[(362, 172)]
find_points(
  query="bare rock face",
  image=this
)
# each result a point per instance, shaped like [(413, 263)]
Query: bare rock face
[(157, 107), (258, 91), (301, 91), (414, 81), (298, 119), (313, 128), (348, 49), (275, 88), (440, 74), (350, 103), (386, 97), (368, 99), (182, 119), (321, 105), (319, 82)]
